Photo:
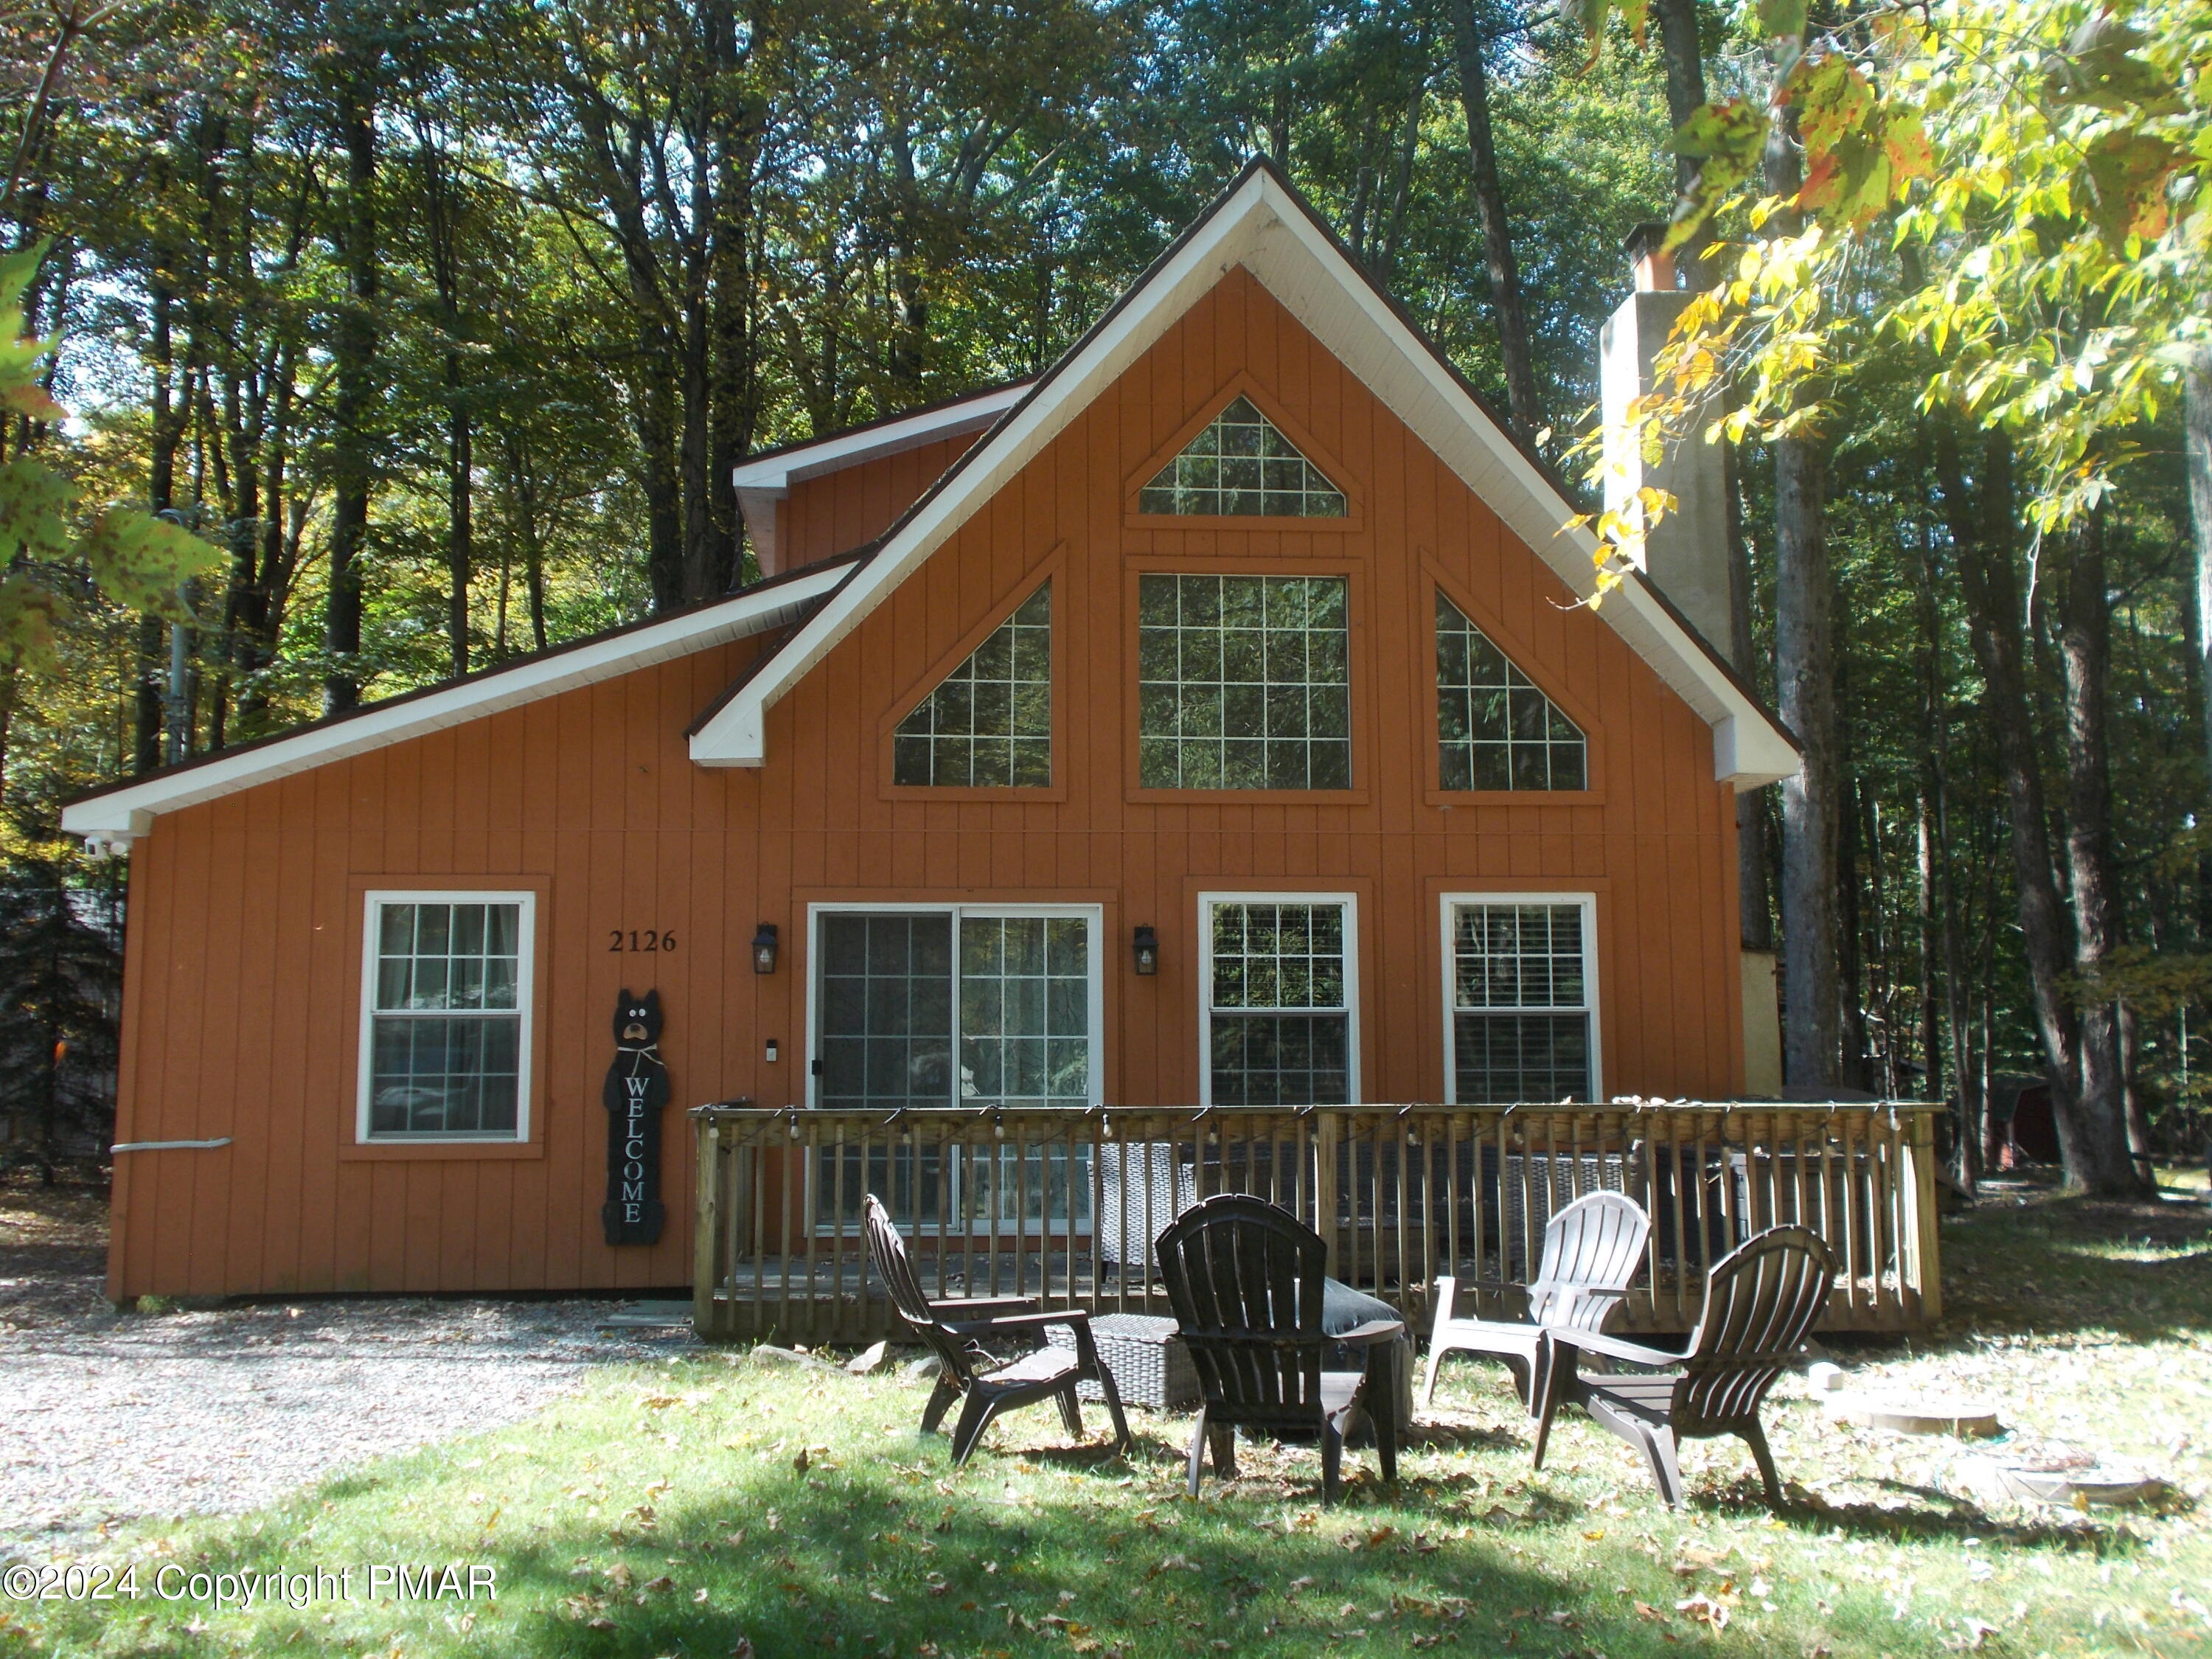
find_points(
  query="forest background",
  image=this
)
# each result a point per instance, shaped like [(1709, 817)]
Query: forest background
[(440, 330)]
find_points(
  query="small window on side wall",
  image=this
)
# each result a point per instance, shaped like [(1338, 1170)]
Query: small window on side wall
[(1495, 728), (988, 724), (445, 1015)]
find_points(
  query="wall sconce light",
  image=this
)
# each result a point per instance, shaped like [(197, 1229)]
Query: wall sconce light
[(1145, 944), (764, 948)]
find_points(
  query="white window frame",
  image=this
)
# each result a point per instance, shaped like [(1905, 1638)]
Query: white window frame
[(1094, 914), (825, 1226), (525, 998), (1587, 903), (1207, 901)]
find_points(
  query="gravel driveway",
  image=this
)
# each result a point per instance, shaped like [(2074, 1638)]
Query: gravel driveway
[(112, 1418)]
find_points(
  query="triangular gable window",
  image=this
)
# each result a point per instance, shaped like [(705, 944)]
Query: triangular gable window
[(1242, 465), (988, 723), (1496, 730)]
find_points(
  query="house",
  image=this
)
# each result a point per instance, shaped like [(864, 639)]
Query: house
[(1213, 718)]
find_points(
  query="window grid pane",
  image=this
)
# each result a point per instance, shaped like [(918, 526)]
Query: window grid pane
[(446, 1025), (1495, 729), (1279, 1027), (1025, 1009), (1242, 465), (1521, 1017), (901, 994), (988, 724), (1242, 682), (886, 1022)]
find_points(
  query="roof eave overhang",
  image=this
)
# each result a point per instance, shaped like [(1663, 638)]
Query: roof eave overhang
[(1260, 224), (111, 819), (773, 474)]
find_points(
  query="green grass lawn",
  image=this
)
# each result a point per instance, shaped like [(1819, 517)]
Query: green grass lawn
[(717, 1506)]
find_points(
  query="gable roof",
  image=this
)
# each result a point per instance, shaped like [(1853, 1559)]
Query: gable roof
[(110, 819), (1262, 223)]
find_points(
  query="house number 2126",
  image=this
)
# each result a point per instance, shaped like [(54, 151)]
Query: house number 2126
[(650, 938)]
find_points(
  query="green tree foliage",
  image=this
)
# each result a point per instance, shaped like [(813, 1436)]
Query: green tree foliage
[(493, 296)]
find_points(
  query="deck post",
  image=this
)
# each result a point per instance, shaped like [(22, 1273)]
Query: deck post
[(707, 1178), (1921, 1214), (1324, 1221)]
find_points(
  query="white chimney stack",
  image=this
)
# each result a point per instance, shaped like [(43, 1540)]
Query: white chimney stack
[(1687, 554)]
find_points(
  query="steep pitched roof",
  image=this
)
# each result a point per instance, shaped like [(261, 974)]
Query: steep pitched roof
[(110, 819), (1262, 223)]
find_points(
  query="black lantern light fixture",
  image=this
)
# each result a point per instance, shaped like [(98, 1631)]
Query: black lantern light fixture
[(1146, 945), (764, 948)]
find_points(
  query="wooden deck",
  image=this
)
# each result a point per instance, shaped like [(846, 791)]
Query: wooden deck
[(1062, 1204)]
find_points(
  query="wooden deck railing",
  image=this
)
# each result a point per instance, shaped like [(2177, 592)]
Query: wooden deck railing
[(1063, 1204)]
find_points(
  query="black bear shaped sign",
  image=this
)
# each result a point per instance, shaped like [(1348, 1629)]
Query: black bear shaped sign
[(637, 1088)]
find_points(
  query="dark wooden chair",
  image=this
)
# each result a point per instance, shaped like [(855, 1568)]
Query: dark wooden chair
[(1592, 1249), (1761, 1302), (1244, 1280), (957, 1332)]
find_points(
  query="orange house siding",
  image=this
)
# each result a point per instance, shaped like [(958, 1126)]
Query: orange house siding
[(242, 998), (839, 511)]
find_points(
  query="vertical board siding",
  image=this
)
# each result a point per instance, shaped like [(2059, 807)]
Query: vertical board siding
[(839, 511), (242, 1002)]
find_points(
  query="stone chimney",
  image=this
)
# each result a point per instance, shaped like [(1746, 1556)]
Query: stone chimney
[(1687, 554)]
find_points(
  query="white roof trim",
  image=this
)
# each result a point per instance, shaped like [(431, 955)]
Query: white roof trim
[(776, 473), (110, 820), (1263, 227)]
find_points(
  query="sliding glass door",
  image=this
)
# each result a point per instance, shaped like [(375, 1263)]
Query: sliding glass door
[(978, 1006)]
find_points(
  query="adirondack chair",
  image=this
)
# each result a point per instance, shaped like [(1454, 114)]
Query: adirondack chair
[(1244, 1279), (957, 1331), (1591, 1252), (1761, 1301)]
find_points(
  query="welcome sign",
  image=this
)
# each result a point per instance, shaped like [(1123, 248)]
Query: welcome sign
[(636, 1089)]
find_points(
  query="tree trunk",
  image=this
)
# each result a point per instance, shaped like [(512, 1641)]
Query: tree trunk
[(1982, 534), (2094, 1139), (169, 434), (1942, 951), (1805, 678), (733, 390), (1505, 297), (2196, 431), (460, 527), (354, 351), (1685, 92)]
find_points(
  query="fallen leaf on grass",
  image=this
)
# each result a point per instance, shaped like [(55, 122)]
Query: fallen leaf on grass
[(1705, 1610)]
